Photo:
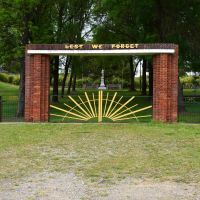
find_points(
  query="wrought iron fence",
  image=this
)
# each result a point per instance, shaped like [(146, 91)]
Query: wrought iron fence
[(8, 109), (190, 114), (191, 110)]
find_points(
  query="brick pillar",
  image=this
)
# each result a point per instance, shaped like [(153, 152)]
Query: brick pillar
[(37, 78), (165, 87)]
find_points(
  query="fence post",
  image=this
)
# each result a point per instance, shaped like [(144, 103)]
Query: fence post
[(1, 110)]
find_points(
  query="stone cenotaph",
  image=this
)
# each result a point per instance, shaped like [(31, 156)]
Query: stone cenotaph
[(102, 84)]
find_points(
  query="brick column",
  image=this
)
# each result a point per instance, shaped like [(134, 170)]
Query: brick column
[(165, 87), (37, 75)]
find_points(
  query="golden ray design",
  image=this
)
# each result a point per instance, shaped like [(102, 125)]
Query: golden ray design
[(88, 108)]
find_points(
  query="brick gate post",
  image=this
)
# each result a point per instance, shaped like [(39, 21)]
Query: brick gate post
[(37, 83), (165, 87)]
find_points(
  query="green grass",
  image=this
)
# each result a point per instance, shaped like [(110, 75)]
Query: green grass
[(7, 89), (192, 92), (96, 151), (9, 94)]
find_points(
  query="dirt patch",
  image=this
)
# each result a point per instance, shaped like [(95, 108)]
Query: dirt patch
[(149, 190), (44, 186), (58, 186)]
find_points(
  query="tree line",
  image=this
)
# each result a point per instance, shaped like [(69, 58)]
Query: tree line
[(97, 21)]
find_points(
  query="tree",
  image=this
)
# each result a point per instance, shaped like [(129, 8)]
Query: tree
[(153, 21), (66, 70), (17, 20), (35, 21), (69, 18), (144, 79)]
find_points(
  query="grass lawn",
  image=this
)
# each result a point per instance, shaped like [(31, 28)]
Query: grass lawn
[(102, 151), (8, 89), (9, 95), (189, 92)]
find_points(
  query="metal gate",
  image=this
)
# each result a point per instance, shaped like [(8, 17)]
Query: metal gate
[(101, 106)]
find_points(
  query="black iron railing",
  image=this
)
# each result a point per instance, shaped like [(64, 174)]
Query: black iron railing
[(191, 111), (8, 109)]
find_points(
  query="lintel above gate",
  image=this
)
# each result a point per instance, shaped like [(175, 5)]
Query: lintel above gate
[(101, 49)]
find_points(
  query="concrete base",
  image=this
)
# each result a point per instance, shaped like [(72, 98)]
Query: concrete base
[(102, 88)]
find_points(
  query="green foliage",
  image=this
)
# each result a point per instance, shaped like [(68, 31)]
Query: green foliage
[(111, 80), (16, 80), (7, 78), (79, 83), (10, 79), (111, 21), (116, 80), (152, 21), (3, 77), (198, 81), (85, 80), (15, 22), (190, 81)]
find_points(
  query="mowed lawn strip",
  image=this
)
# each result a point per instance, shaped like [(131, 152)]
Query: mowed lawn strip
[(102, 151), (7, 89)]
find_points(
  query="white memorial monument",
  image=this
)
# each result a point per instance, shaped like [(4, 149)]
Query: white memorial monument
[(102, 85)]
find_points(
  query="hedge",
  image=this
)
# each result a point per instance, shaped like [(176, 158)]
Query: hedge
[(10, 78), (190, 81)]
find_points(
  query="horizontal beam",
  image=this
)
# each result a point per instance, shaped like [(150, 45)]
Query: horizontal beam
[(103, 52)]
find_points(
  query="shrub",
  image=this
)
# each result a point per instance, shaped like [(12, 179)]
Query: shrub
[(79, 83), (116, 80), (16, 80), (190, 81), (13, 79), (125, 84), (85, 80), (10, 78), (4, 77), (98, 81), (198, 81)]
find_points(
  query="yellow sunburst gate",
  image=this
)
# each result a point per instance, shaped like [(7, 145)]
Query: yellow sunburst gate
[(100, 108)]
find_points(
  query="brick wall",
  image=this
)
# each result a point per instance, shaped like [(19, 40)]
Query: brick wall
[(37, 88), (165, 87)]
